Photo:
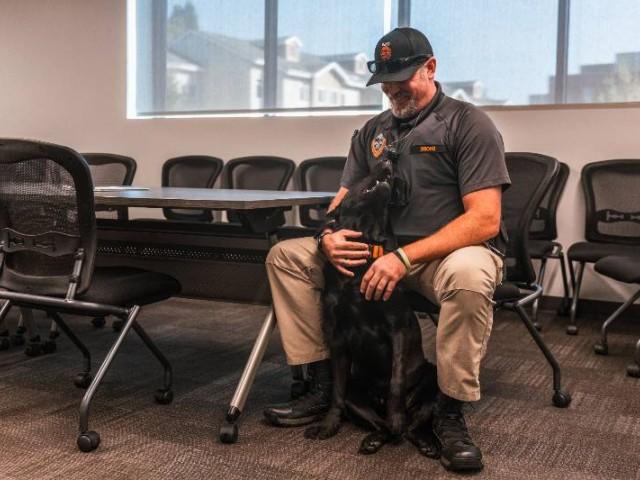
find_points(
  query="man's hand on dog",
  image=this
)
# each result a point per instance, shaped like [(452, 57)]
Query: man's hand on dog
[(343, 253), (382, 277)]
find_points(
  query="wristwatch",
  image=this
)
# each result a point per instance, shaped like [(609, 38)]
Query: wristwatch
[(319, 237)]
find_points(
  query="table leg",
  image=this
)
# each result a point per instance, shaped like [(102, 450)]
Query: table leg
[(229, 428)]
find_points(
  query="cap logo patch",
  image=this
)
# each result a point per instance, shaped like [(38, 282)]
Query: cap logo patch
[(377, 145), (385, 51)]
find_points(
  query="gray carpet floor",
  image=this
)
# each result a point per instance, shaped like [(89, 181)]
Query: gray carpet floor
[(521, 434)]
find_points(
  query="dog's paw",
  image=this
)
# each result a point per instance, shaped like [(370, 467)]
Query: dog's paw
[(373, 442)]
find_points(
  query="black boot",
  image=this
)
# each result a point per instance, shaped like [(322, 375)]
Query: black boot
[(309, 407), (458, 452)]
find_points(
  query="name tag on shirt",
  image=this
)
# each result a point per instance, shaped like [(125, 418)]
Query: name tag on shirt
[(428, 148)]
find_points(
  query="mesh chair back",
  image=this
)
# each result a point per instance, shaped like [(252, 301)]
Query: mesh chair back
[(320, 174), (531, 174), (543, 226), (46, 216), (613, 201), (190, 171), (256, 173), (109, 169)]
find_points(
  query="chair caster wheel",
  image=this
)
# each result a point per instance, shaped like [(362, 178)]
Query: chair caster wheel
[(33, 350), (4, 343), (117, 325), (88, 441), (83, 380), (49, 346), (163, 397), (21, 331), (633, 370), (601, 348), (98, 322), (228, 433), (537, 326), (561, 399), (572, 330), (54, 334)]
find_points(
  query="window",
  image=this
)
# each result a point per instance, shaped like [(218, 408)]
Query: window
[(270, 56), (491, 52), (254, 55), (604, 52)]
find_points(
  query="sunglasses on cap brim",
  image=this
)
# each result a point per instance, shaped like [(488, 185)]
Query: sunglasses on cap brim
[(393, 66)]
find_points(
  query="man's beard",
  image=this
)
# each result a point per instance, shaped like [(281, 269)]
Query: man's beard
[(409, 110)]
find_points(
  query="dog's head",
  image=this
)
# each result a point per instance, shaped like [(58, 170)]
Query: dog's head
[(365, 207)]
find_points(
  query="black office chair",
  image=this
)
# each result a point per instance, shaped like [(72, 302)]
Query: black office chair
[(531, 175), (190, 171), (543, 235), (256, 173), (612, 224), (321, 174), (47, 254), (627, 270), (109, 169)]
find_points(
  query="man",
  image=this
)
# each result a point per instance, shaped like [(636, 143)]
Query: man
[(449, 174)]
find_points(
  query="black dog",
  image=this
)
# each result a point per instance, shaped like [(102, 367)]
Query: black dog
[(381, 379)]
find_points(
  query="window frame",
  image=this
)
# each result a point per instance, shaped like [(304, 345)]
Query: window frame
[(159, 10)]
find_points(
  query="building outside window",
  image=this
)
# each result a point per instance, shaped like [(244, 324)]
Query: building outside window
[(216, 56)]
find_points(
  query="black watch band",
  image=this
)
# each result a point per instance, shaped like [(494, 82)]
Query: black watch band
[(319, 237)]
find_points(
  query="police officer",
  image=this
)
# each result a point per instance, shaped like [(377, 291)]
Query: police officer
[(450, 172)]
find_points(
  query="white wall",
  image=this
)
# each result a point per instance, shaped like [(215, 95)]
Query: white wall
[(63, 79)]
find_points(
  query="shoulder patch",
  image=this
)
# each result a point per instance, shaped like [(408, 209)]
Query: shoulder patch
[(378, 144)]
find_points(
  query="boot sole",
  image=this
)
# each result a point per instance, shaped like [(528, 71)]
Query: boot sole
[(462, 465), (292, 422), (458, 465)]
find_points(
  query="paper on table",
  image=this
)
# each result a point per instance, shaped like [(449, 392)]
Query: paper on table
[(117, 188)]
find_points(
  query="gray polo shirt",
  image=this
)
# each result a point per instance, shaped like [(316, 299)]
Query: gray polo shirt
[(449, 150)]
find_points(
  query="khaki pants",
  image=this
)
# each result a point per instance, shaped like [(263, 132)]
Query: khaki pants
[(462, 284)]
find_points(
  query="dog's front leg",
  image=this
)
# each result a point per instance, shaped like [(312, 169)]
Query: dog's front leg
[(396, 404), (341, 366)]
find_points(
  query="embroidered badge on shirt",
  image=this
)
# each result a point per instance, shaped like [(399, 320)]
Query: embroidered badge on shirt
[(378, 144), (385, 51)]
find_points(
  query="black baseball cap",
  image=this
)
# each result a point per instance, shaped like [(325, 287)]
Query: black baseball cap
[(398, 55)]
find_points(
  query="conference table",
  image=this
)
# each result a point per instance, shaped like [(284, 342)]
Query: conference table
[(261, 212)]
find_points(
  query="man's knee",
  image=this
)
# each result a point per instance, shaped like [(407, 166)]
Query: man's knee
[(277, 253), (287, 252), (473, 269), (298, 258)]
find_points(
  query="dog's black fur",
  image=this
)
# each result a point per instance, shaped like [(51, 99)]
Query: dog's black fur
[(381, 379)]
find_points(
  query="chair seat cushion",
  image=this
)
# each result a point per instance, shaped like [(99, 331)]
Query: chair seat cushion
[(590, 252), (507, 291), (127, 286), (624, 269), (540, 248)]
